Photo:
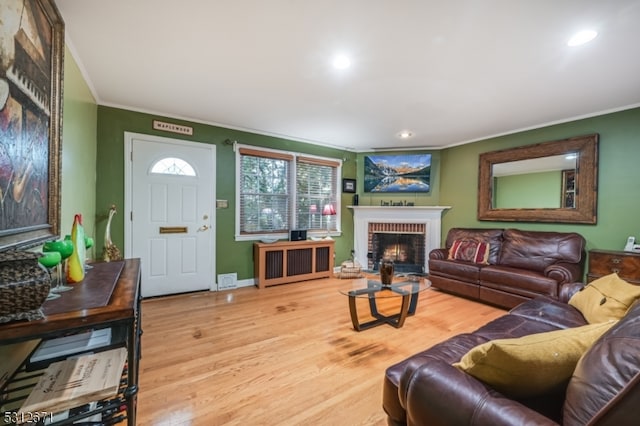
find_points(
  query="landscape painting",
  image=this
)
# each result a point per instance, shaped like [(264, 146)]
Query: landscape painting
[(397, 173)]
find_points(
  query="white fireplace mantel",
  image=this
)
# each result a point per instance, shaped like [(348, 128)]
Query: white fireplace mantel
[(431, 216)]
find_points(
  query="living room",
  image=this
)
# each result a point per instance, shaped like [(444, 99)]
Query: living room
[(92, 179), (93, 144)]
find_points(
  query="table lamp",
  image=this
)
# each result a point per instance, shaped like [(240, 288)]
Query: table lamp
[(328, 210)]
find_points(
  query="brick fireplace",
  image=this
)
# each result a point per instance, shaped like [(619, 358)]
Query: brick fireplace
[(406, 234), (402, 243)]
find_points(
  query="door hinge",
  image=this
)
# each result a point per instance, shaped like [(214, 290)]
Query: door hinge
[(131, 216)]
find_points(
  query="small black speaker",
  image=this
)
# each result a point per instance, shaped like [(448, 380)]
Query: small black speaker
[(355, 200), (298, 235)]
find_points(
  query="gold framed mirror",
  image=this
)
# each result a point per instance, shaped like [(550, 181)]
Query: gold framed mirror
[(553, 181)]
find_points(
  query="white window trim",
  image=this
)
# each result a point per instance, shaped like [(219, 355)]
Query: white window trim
[(292, 191)]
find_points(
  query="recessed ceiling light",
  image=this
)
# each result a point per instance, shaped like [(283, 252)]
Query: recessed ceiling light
[(405, 134), (582, 37), (341, 62)]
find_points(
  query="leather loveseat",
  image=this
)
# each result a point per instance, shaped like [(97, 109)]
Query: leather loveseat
[(427, 389), (519, 265)]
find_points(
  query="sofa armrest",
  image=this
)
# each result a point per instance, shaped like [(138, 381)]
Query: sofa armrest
[(439, 254), (569, 289), (564, 272), (440, 394)]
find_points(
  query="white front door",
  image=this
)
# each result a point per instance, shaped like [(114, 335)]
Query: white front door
[(172, 213)]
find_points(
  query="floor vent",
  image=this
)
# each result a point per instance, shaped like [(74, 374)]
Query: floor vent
[(227, 281)]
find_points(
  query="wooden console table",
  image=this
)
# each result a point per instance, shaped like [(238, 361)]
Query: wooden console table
[(290, 261), (108, 297), (624, 263)]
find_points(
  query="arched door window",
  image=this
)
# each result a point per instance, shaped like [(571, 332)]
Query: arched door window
[(173, 166)]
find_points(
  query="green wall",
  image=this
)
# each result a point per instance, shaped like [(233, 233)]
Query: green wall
[(231, 256), (618, 188), (543, 191), (78, 171)]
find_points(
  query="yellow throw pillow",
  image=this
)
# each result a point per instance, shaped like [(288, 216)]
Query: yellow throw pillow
[(531, 365), (609, 297)]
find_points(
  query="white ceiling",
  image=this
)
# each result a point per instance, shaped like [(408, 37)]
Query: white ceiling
[(450, 71)]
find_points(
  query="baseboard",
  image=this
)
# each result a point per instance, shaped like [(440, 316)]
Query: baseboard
[(247, 283), (238, 283)]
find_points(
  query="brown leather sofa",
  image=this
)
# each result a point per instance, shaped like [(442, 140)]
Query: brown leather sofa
[(521, 265), (426, 389)]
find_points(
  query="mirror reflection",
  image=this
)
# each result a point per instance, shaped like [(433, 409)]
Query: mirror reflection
[(549, 182)]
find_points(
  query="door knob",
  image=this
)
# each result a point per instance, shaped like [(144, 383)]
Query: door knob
[(203, 228)]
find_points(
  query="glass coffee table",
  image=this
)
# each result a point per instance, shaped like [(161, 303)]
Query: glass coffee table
[(374, 290)]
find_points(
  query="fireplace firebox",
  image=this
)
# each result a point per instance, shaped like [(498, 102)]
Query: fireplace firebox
[(405, 251), (402, 243)]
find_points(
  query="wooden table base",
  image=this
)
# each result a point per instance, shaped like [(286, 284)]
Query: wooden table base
[(408, 307)]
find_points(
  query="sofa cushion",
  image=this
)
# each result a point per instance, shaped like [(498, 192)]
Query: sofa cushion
[(533, 364), (513, 326), (520, 281), (536, 250), (463, 271), (442, 395), (608, 297), (493, 237), (469, 251), (546, 310)]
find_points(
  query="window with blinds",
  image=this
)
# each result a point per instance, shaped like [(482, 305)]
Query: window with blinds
[(264, 192), (316, 186), (280, 191)]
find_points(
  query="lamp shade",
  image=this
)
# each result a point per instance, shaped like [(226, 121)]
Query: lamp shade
[(328, 210)]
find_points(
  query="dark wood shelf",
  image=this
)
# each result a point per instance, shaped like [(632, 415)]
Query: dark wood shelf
[(109, 296)]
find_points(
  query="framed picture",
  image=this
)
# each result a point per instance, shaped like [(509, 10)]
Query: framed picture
[(349, 185), (397, 173), (32, 34)]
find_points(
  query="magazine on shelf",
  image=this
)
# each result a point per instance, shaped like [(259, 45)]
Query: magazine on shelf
[(62, 347), (73, 382)]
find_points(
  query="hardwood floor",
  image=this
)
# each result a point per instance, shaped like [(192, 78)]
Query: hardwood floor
[(284, 355)]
